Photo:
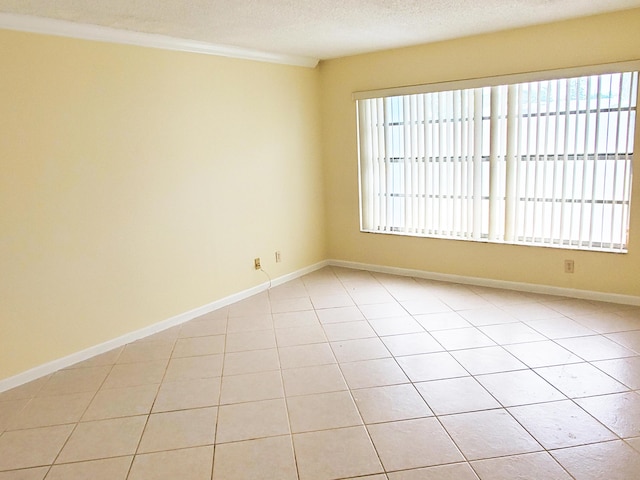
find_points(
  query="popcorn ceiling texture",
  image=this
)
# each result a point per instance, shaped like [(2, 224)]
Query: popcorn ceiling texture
[(314, 28)]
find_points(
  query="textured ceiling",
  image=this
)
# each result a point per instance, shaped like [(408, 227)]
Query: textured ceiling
[(313, 28)]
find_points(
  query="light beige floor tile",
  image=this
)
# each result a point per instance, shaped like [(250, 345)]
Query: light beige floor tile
[(168, 335), (254, 305), (251, 387), (191, 463), (455, 471), (250, 323), (103, 359), (323, 411), (373, 373), (331, 300), (54, 410), (580, 380), (501, 297), (291, 289), (25, 391), (310, 380), (9, 410), (108, 469), (522, 387), (26, 474), (510, 333), (478, 361), (121, 402), (218, 314), (288, 337), (462, 338), (456, 395), (390, 403), (619, 412), (595, 347), (431, 366), (306, 355), (339, 453), (360, 349), (246, 421), (542, 354), (488, 316), (202, 392), (490, 433), (324, 288), (76, 380), (530, 466), (412, 344), (560, 327), (265, 458), (305, 318), (103, 439), (145, 352), (464, 301), (254, 361), (380, 476), (413, 444), (572, 307), (560, 424), (625, 370), (339, 314), (191, 368), (610, 460), (634, 442), (182, 429), (17, 448), (609, 322), (441, 321), (195, 346), (204, 328), (383, 310), (134, 374), (242, 342), (395, 325), (337, 332), (425, 305), (370, 296), (531, 311), (291, 305), (631, 340)]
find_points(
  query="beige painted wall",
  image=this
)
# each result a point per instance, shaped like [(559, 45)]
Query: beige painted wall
[(594, 40), (137, 184)]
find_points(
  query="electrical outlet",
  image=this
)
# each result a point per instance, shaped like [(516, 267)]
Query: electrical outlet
[(569, 266), (278, 256), (256, 263)]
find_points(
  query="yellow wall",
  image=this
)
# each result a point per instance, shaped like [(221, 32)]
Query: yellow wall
[(593, 40), (137, 184)]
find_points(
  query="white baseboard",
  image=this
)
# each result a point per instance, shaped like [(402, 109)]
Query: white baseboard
[(487, 282), (55, 365)]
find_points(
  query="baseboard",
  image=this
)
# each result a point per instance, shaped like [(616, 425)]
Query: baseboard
[(487, 282), (55, 365)]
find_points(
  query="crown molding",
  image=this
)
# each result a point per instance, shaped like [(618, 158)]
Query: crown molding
[(63, 28)]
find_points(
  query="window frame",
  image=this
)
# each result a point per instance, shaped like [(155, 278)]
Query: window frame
[(495, 81)]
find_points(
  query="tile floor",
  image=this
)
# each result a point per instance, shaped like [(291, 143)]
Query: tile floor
[(347, 374)]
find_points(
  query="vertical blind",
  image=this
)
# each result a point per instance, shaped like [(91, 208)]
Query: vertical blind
[(544, 163)]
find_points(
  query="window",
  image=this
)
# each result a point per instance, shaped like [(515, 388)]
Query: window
[(545, 162)]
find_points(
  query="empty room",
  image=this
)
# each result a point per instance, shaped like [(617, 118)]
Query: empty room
[(319, 240)]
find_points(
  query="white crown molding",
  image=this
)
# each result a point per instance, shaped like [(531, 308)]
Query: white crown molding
[(488, 282), (63, 28), (69, 360)]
